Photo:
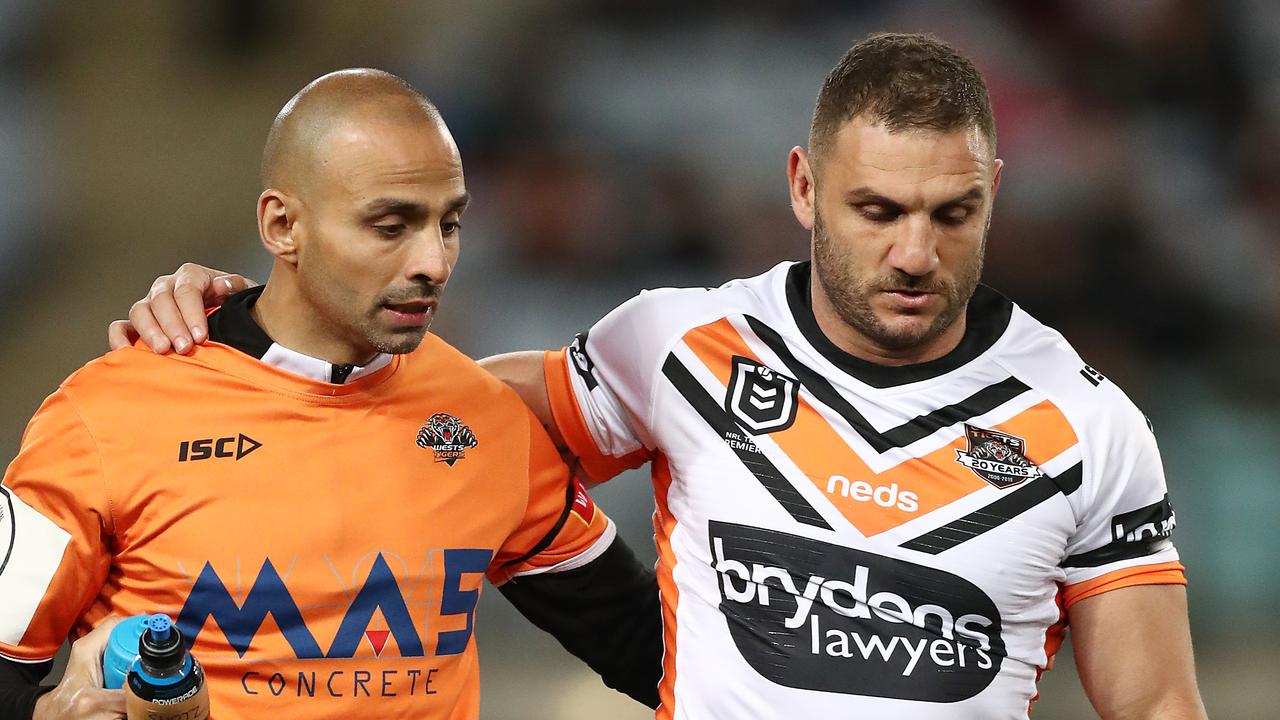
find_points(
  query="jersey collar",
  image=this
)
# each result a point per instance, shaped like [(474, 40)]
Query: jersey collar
[(233, 325), (985, 321)]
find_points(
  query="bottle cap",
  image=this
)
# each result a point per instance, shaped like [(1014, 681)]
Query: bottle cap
[(160, 649)]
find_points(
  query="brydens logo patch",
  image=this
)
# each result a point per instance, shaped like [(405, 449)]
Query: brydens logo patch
[(447, 436), (816, 616)]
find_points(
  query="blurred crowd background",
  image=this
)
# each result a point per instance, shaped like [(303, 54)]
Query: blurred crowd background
[(621, 145)]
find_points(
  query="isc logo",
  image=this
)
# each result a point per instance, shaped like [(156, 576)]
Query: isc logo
[(235, 446)]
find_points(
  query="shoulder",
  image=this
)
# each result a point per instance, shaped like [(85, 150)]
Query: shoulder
[(449, 372), (123, 373), (665, 314), (1098, 410)]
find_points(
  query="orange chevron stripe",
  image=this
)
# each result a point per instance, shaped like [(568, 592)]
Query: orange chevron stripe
[(875, 502), (664, 524)]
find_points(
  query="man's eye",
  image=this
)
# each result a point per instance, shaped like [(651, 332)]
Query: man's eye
[(878, 213), (953, 216), (389, 229), (450, 228)]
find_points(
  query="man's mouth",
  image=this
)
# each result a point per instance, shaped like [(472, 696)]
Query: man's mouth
[(415, 313), (909, 298)]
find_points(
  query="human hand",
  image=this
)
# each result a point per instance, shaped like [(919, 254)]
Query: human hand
[(80, 695), (172, 315)]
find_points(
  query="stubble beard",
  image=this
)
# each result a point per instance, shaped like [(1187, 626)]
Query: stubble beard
[(399, 341), (851, 296)]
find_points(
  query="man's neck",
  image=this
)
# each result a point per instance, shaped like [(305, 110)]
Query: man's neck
[(283, 315), (850, 340)]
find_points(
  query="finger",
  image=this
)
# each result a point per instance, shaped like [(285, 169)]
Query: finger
[(95, 703), (225, 285), (109, 702), (168, 316), (144, 323), (188, 296), (120, 334), (86, 652)]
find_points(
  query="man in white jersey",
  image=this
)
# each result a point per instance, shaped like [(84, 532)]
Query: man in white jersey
[(883, 489)]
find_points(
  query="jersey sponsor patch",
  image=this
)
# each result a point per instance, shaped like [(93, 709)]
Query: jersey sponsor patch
[(583, 506), (815, 616), (999, 458), (760, 398), (31, 547), (447, 436), (582, 361)]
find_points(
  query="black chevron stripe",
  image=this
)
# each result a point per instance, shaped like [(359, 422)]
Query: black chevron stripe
[(982, 401), (998, 512), (1116, 552), (740, 441)]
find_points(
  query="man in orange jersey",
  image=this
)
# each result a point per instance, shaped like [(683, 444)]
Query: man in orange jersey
[(883, 489), (342, 472)]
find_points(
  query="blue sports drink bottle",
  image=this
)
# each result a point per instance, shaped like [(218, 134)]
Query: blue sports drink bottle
[(165, 682), (122, 651)]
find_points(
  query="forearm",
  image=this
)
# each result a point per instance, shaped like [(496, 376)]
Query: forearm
[(20, 687), (605, 613)]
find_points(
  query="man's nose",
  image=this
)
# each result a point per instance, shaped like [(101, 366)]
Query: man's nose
[(429, 257), (915, 250)]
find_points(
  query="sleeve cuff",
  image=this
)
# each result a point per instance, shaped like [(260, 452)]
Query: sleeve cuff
[(1168, 573)]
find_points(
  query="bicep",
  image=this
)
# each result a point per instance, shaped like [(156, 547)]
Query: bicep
[(1133, 653), (523, 373)]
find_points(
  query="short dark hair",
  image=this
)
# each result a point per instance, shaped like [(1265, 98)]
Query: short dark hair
[(905, 81)]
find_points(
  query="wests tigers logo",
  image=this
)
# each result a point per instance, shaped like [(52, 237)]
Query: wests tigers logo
[(447, 436)]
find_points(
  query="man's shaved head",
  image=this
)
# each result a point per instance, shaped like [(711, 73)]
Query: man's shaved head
[(361, 207), (295, 144)]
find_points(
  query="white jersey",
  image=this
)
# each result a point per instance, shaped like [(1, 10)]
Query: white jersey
[(842, 539)]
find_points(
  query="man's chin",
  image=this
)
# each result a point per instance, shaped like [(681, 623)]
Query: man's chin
[(401, 342), (905, 332)]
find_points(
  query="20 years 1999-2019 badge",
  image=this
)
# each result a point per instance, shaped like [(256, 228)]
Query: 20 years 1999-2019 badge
[(999, 458)]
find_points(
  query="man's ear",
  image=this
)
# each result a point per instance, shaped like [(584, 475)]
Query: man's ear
[(277, 219), (800, 180)]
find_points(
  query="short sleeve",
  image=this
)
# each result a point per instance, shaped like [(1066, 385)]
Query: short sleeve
[(562, 528), (601, 386), (1124, 536), (55, 525)]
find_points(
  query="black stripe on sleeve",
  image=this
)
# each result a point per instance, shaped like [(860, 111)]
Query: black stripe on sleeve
[(1117, 551), (980, 402), (739, 440), (13, 527), (550, 537), (997, 513)]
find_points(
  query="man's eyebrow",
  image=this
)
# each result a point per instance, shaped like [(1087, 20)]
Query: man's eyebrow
[(459, 202), (867, 195), (862, 195), (395, 206), (973, 194)]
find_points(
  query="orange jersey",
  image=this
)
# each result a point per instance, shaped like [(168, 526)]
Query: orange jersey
[(323, 546)]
